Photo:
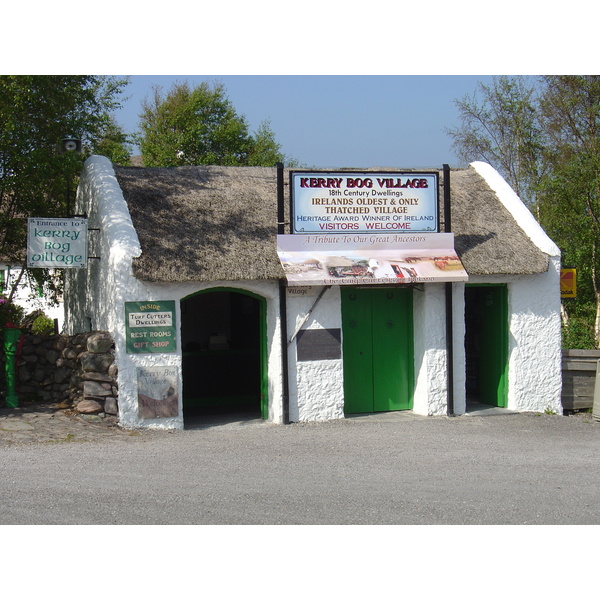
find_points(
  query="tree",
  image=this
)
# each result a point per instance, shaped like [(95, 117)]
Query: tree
[(542, 136), (37, 178), (501, 128), (570, 193), (200, 126), (264, 150), (113, 143)]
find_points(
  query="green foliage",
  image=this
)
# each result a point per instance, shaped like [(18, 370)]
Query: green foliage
[(42, 325), (264, 150), (200, 126), (570, 193), (579, 332), (113, 143), (37, 178), (543, 136), (499, 126)]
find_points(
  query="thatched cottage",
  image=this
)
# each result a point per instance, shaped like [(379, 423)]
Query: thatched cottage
[(190, 284)]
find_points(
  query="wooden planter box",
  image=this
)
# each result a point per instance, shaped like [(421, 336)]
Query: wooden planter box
[(579, 378)]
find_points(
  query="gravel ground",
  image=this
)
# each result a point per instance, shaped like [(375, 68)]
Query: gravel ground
[(394, 468)]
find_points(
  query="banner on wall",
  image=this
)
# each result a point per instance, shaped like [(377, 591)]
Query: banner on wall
[(364, 202), (358, 259)]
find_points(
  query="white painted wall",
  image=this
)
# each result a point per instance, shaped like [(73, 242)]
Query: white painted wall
[(96, 297), (534, 344), (458, 348), (316, 387), (431, 378), (535, 375), (535, 363)]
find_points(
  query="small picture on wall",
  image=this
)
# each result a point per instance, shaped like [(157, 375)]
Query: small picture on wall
[(158, 392)]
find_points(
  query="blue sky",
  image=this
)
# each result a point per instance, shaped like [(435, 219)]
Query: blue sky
[(342, 86), (339, 120)]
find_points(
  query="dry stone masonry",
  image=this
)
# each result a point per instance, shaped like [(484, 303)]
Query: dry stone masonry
[(77, 370)]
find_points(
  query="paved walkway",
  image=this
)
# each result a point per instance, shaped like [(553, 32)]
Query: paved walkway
[(52, 422)]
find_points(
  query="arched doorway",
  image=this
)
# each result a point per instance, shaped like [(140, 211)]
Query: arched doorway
[(223, 333)]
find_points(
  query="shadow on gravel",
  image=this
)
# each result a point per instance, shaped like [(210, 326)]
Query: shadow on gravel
[(204, 419)]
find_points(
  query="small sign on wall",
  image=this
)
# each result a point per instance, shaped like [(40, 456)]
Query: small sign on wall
[(150, 327), (303, 291), (158, 392), (318, 344), (568, 283)]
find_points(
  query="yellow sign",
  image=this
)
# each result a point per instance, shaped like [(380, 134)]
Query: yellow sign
[(568, 283)]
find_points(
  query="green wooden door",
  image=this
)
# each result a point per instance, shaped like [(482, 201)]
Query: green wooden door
[(378, 349), (486, 308)]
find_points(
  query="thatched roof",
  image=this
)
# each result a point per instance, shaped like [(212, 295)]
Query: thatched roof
[(210, 223), (204, 223), (488, 240)]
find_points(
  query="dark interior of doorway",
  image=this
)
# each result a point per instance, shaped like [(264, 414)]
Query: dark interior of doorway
[(486, 345), (220, 333)]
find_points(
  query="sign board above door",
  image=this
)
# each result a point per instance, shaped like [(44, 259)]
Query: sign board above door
[(358, 259), (364, 202)]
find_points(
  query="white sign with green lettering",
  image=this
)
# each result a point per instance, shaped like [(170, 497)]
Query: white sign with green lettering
[(57, 243)]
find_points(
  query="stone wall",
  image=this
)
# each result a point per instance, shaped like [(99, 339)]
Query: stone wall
[(78, 371)]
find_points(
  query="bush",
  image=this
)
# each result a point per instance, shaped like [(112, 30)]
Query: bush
[(42, 325), (579, 334)]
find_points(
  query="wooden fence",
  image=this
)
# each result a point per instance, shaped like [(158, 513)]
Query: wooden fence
[(579, 378)]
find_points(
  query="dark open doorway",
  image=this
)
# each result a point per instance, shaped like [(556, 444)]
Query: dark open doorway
[(486, 344), (224, 350)]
